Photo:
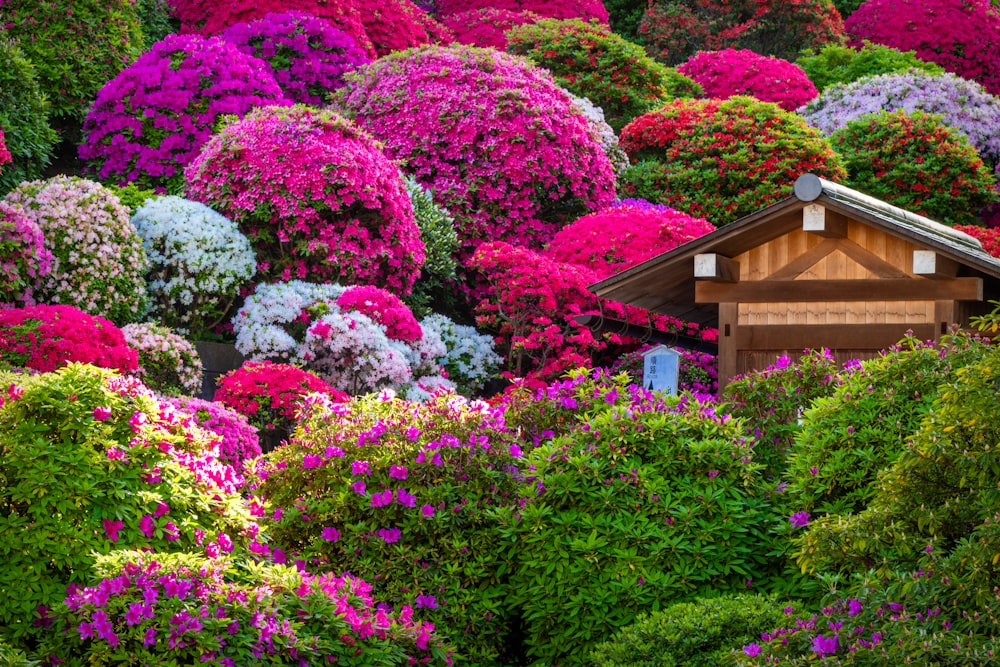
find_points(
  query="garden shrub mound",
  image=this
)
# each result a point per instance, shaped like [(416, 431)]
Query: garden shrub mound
[(436, 283), (119, 472), (722, 160), (75, 47), (152, 119), (962, 104), (586, 10), (168, 364), (675, 30), (198, 261), (486, 27), (835, 63), (619, 237), (729, 72), (24, 119), (152, 607), (589, 60), (989, 237), (45, 338), (651, 499), (916, 162), (962, 36), (238, 440), (501, 147), (308, 56), (317, 198), (402, 495), (24, 259), (97, 258)]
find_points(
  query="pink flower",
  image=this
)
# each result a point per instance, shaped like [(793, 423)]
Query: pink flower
[(398, 472), (389, 535), (161, 509), (427, 510), (330, 534), (102, 413), (111, 528), (147, 525), (799, 519)]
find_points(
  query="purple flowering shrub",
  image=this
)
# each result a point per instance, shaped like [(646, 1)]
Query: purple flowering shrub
[(316, 196), (308, 56), (501, 147), (238, 440), (486, 26), (647, 500), (152, 119), (185, 609), (118, 469), (962, 36), (742, 72), (403, 495), (24, 259)]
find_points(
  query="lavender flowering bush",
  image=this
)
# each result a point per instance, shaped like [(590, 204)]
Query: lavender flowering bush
[(168, 364), (307, 55), (152, 119), (238, 441), (198, 261)]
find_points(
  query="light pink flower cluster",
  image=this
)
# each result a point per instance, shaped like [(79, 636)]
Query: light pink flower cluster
[(316, 197), (23, 257), (742, 72), (168, 363)]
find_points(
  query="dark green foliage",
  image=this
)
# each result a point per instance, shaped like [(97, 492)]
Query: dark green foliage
[(24, 115), (843, 64), (156, 21), (625, 16), (11, 657), (435, 289)]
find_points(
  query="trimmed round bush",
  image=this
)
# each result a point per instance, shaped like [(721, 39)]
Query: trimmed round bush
[(916, 162), (317, 198), (45, 338), (487, 26), (75, 46), (962, 36), (130, 475), (585, 10), (501, 147), (198, 261), (24, 119), (674, 30), (844, 64), (723, 74), (722, 160), (151, 120), (308, 56), (962, 104), (168, 364), (24, 260), (589, 60), (238, 440), (619, 237), (97, 258)]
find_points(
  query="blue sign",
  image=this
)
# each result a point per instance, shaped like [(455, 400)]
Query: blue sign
[(660, 368)]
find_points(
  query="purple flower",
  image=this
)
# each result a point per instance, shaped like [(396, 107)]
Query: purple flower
[(824, 645), (752, 650), (398, 472), (111, 529), (515, 451), (161, 509), (853, 607), (278, 556), (406, 498), (382, 498), (149, 637), (360, 468), (389, 535), (358, 488), (312, 461), (330, 534), (170, 531), (102, 413), (427, 510), (799, 519), (147, 525), (426, 602)]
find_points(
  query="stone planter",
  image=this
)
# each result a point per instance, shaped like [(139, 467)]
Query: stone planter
[(217, 359)]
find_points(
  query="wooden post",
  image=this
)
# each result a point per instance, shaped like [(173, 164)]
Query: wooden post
[(728, 354), (944, 317)]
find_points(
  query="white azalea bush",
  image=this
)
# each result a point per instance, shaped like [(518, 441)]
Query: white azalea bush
[(469, 358), (198, 260), (168, 364)]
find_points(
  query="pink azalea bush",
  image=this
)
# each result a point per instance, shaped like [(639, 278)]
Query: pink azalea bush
[(962, 36), (742, 72), (152, 119), (5, 155), (498, 143), (24, 260), (97, 258), (308, 56), (485, 26), (168, 364), (384, 308), (315, 195), (45, 338), (238, 440), (586, 10)]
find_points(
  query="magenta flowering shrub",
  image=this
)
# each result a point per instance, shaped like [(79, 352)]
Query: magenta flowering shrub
[(962, 36), (384, 308), (500, 146), (24, 260), (152, 119), (120, 471), (586, 10), (5, 155), (316, 196), (98, 262), (154, 607), (403, 495), (485, 26), (238, 441), (742, 72), (308, 56)]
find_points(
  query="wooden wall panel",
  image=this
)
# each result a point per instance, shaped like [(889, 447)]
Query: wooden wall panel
[(838, 312)]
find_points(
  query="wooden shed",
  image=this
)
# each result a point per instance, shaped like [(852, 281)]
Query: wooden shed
[(827, 267)]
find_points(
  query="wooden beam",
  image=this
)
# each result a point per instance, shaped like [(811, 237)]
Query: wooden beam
[(931, 264), (817, 220), (710, 266), (768, 291), (833, 336)]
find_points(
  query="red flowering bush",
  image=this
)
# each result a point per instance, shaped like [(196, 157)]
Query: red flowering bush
[(989, 237), (315, 195), (384, 308), (962, 36), (557, 9), (589, 60), (722, 159), (269, 395), (152, 119), (501, 147), (741, 72), (915, 161), (486, 27), (23, 256), (45, 338), (621, 236), (674, 30), (307, 55)]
